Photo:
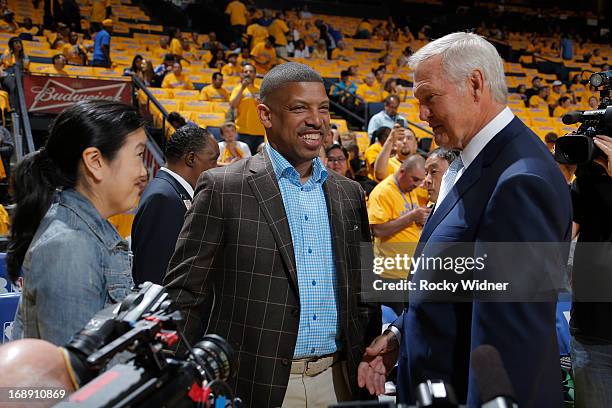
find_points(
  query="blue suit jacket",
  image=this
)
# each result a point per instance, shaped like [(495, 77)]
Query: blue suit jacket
[(156, 227), (512, 192)]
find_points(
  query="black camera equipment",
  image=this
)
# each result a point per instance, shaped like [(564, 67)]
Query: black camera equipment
[(138, 335), (578, 147)]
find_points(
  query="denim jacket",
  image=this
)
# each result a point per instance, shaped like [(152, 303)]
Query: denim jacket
[(76, 265)]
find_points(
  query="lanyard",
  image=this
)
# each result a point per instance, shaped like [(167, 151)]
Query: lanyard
[(407, 205)]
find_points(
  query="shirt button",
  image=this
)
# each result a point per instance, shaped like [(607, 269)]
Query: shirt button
[(312, 350), (314, 283), (310, 250), (306, 217), (285, 362), (314, 317)]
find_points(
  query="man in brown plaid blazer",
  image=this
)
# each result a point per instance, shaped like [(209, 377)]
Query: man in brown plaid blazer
[(236, 247)]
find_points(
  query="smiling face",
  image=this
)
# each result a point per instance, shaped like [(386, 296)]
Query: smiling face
[(125, 177), (296, 118), (452, 113)]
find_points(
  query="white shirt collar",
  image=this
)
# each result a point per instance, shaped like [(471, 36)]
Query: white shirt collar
[(482, 138), (181, 181)]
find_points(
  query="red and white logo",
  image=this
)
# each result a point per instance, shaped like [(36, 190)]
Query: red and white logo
[(46, 94)]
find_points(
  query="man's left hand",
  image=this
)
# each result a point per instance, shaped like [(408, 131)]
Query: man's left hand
[(605, 144)]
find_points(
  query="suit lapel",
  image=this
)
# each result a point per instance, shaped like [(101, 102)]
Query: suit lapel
[(467, 180), (484, 159), (335, 211), (265, 188), (180, 190)]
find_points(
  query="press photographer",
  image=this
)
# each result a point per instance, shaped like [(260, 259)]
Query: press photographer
[(119, 359), (591, 344)]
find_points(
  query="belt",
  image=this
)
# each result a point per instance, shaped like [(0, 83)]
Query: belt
[(314, 366)]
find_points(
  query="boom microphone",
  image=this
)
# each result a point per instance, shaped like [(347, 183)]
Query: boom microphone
[(495, 387)]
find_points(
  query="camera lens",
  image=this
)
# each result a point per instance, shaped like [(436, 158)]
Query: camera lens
[(218, 360)]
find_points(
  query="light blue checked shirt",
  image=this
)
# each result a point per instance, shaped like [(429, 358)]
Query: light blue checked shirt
[(312, 244)]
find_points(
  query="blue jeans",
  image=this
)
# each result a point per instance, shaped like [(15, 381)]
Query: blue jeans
[(592, 364)]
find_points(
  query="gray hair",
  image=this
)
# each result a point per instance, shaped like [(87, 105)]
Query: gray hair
[(448, 155), (282, 74), (461, 54)]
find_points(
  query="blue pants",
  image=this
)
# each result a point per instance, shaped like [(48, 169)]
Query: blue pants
[(592, 364)]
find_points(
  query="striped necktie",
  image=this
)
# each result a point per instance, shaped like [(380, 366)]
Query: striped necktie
[(448, 181)]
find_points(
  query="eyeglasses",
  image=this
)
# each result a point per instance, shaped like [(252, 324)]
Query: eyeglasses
[(336, 159)]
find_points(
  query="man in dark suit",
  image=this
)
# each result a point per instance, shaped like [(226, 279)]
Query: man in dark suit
[(275, 239), (503, 188), (161, 212)]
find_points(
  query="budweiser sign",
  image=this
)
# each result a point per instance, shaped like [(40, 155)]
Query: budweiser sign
[(52, 94)]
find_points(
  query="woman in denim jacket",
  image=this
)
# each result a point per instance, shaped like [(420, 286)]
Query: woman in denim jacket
[(74, 262)]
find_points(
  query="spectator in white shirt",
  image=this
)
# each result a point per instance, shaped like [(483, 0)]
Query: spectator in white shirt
[(230, 149)]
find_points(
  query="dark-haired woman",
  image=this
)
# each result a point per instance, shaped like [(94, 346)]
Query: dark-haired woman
[(74, 263), (136, 68), (15, 54), (12, 56)]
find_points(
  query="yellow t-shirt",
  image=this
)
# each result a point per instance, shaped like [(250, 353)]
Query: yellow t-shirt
[(231, 70), (175, 47), (174, 82), (261, 52), (536, 102), (387, 203), (247, 120), (98, 10), (71, 52), (560, 111), (32, 30), (370, 93), (277, 29), (8, 60), (259, 34), (237, 12), (318, 54), (370, 155), (210, 93), (241, 61)]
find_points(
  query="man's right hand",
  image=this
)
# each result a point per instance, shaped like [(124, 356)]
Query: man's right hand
[(245, 82), (378, 360), (420, 215), (395, 134)]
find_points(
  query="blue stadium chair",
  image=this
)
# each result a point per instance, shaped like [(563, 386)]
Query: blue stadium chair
[(374, 108), (216, 132), (8, 308), (5, 284)]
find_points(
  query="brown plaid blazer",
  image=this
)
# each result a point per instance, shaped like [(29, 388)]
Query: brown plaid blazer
[(235, 247)]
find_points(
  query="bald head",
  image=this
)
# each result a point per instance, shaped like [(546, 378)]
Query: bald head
[(34, 363), (283, 74), (413, 162)]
